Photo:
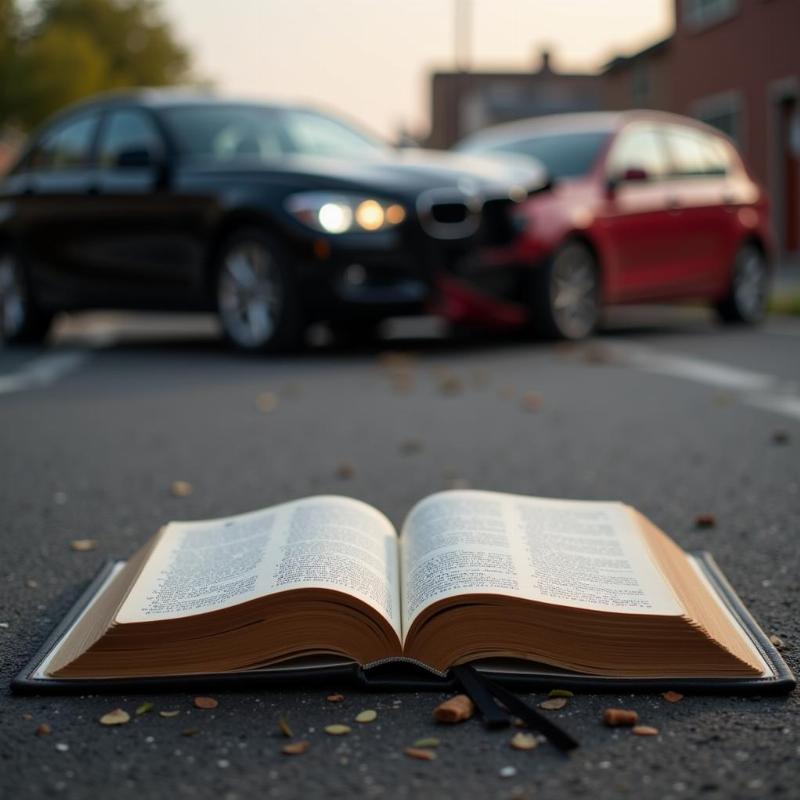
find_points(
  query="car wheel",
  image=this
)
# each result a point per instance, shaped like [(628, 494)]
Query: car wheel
[(565, 302), (257, 301), (746, 301), (21, 320)]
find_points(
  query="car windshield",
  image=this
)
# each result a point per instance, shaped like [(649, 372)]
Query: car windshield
[(565, 154), (225, 133)]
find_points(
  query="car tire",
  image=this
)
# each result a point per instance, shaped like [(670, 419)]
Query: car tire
[(565, 293), (22, 320), (256, 294), (746, 301)]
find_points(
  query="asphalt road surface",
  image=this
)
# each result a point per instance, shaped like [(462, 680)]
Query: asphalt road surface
[(664, 410)]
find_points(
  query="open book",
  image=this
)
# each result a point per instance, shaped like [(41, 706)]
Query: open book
[(589, 587)]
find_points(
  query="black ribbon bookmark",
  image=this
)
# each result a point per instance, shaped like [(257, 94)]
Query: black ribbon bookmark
[(485, 693)]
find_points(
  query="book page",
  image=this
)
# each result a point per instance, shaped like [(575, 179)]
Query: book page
[(575, 553), (321, 542)]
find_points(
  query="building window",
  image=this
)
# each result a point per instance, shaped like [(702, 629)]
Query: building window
[(699, 14), (723, 111)]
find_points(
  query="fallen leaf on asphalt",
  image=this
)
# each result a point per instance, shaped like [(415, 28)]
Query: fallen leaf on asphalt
[(83, 545), (395, 360), (455, 709), (524, 741), (450, 384), (335, 698), (554, 703), (532, 401), (337, 730), (410, 446), (420, 753), (296, 748), (43, 730), (116, 717), (205, 702), (672, 697), (190, 731), (266, 402), (144, 708), (427, 741), (598, 354), (283, 724), (780, 437), (777, 641), (615, 717), (560, 693), (645, 730), (368, 715), (32, 584), (168, 713), (181, 488), (345, 470), (27, 717), (705, 521)]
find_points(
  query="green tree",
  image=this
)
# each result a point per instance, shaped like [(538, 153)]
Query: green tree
[(64, 50)]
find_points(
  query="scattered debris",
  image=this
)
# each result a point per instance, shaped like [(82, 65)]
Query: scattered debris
[(32, 584), (205, 702), (62, 747), (181, 488), (427, 741), (705, 521), (190, 731), (780, 437), (83, 545), (296, 748), (777, 641), (144, 708), (169, 713), (43, 730), (672, 697), (116, 717), (524, 741), (283, 725), (420, 753), (27, 717), (450, 384), (507, 772), (266, 402), (554, 703), (645, 730), (532, 401), (560, 693), (337, 730), (345, 470), (335, 698), (615, 717), (368, 715), (456, 709)]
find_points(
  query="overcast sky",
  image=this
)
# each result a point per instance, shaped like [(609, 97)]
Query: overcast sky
[(371, 58)]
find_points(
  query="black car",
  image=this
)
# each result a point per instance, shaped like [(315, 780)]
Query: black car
[(274, 216)]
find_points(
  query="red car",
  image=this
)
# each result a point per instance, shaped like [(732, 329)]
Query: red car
[(642, 207)]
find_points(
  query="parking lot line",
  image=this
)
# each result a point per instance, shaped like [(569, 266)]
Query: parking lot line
[(43, 371)]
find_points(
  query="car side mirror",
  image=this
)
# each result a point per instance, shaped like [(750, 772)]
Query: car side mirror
[(634, 174), (137, 158)]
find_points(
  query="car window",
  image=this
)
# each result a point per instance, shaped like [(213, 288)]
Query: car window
[(639, 149), (124, 131), (694, 153), (68, 145), (225, 133), (564, 155), (315, 134)]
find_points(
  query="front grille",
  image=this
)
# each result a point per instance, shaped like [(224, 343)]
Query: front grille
[(448, 213)]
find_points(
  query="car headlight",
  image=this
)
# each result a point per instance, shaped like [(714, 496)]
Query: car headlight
[(344, 213)]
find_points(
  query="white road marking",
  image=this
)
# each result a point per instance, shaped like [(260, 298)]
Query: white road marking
[(43, 371), (756, 389)]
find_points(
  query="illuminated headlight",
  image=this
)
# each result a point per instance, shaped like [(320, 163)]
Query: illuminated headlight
[(344, 213)]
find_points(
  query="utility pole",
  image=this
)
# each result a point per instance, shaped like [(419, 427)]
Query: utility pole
[(462, 28)]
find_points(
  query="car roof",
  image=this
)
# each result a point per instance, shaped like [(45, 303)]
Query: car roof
[(591, 121)]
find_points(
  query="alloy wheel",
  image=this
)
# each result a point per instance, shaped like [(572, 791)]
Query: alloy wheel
[(250, 294), (574, 291), (12, 298), (750, 284)]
